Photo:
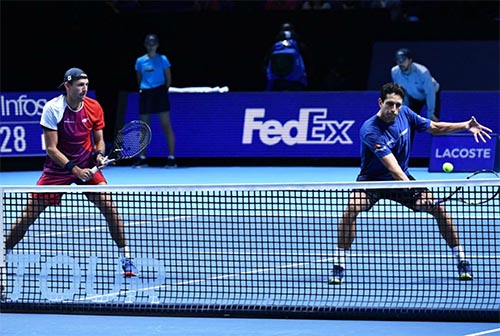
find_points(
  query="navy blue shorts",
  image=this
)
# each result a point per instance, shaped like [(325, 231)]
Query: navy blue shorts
[(405, 196), (154, 100)]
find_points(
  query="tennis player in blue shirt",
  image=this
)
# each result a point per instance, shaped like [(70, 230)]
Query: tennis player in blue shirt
[(385, 155)]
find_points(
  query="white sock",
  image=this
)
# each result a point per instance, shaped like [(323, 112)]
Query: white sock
[(171, 157), (339, 257), (458, 253), (124, 252)]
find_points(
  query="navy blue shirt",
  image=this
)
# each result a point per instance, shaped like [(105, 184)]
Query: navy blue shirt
[(379, 139)]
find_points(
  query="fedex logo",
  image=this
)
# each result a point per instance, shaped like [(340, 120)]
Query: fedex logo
[(313, 127)]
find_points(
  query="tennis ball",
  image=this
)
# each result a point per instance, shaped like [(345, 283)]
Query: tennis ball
[(448, 167)]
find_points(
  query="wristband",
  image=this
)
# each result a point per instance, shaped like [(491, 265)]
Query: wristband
[(98, 152), (69, 166)]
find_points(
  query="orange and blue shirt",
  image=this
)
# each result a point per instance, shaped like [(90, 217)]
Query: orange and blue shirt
[(74, 130)]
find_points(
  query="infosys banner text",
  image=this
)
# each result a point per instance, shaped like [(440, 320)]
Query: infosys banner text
[(290, 124), (20, 132)]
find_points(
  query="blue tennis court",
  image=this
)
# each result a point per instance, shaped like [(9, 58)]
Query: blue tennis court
[(295, 266)]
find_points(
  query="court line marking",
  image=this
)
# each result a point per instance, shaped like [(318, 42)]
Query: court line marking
[(484, 332), (195, 281), (219, 277), (328, 257), (291, 254)]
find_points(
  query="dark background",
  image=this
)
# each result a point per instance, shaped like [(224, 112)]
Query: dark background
[(220, 43)]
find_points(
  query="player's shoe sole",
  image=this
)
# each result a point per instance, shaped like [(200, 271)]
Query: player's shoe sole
[(335, 281), (465, 277)]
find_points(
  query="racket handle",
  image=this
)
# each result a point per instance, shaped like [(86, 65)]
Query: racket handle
[(93, 170)]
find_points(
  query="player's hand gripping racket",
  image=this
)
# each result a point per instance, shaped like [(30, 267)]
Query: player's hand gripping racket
[(130, 141), (474, 195)]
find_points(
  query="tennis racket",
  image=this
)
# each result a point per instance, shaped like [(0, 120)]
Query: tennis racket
[(130, 141), (474, 195)]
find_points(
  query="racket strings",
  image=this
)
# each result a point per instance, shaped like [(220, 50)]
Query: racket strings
[(132, 139)]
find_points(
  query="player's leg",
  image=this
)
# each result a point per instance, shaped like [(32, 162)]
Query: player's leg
[(346, 231), (116, 228), (163, 105), (416, 106), (108, 209), (147, 119), (437, 106), (448, 231), (145, 108), (36, 204), (32, 210), (166, 126), (141, 160), (450, 234)]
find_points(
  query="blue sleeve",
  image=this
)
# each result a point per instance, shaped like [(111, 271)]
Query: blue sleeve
[(138, 64), (418, 123), (165, 62), (430, 93), (393, 74)]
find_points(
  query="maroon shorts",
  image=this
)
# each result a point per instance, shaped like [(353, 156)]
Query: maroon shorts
[(55, 198)]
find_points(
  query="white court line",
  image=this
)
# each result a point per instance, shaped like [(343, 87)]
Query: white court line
[(484, 332), (328, 258), (219, 277)]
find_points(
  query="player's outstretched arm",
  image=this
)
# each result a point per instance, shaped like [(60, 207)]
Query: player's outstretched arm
[(479, 131)]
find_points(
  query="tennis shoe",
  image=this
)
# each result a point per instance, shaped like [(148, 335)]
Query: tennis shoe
[(337, 275), (171, 163), (140, 163), (464, 270), (129, 269)]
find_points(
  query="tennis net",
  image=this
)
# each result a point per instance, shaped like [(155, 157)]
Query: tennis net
[(253, 250)]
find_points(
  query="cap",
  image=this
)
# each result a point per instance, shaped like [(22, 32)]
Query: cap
[(151, 39), (402, 54), (71, 75)]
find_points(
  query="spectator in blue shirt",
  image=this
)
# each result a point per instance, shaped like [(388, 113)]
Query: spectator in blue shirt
[(421, 88)]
